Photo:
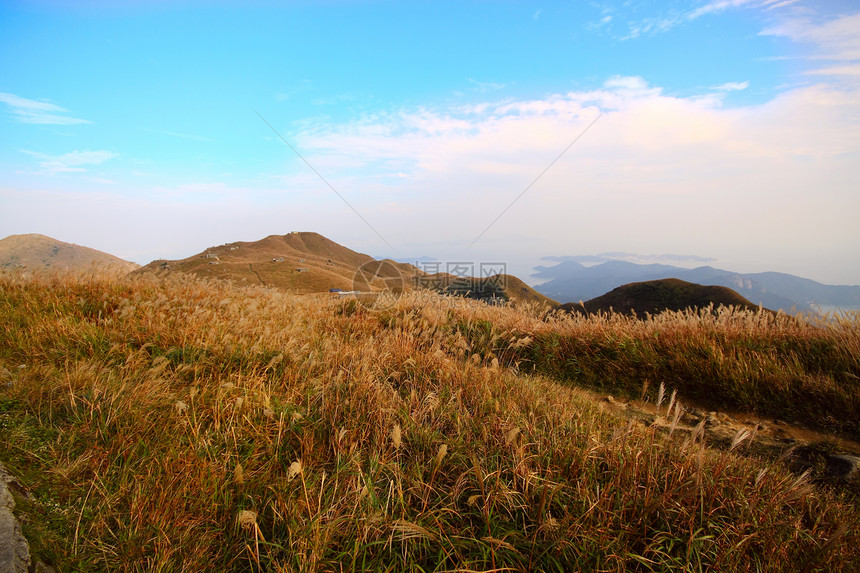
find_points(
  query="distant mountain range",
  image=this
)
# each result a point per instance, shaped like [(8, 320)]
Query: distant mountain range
[(35, 252), (306, 262), (570, 281)]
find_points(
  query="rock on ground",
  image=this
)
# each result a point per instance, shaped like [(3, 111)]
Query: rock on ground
[(14, 549)]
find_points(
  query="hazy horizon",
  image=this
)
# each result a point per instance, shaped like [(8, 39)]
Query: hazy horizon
[(464, 131)]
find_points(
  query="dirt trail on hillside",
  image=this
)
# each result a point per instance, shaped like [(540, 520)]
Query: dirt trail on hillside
[(748, 434)]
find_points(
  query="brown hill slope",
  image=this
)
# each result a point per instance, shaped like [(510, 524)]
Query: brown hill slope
[(500, 288), (307, 262), (657, 296), (37, 252), (303, 262), (519, 292)]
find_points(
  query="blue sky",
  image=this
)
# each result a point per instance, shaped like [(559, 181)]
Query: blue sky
[(727, 129)]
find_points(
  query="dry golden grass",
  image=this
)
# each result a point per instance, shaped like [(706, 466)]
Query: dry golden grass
[(183, 425)]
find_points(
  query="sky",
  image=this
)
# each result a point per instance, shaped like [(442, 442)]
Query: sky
[(472, 131)]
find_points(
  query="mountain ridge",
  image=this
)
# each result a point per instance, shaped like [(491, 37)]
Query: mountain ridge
[(306, 262), (301, 261), (571, 281)]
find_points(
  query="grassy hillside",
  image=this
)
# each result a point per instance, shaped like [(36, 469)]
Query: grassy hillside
[(305, 263), (301, 262), (36, 252), (175, 424), (660, 295), (495, 289)]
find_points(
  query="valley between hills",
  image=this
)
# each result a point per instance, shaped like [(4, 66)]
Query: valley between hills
[(266, 406)]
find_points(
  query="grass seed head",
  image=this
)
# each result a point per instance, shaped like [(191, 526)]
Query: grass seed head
[(396, 437), (409, 530), (295, 470), (247, 519), (443, 451), (739, 437)]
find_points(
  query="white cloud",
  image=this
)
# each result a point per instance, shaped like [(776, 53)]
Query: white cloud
[(628, 83), (656, 169), (844, 70), (71, 162), (722, 6), (639, 116), (39, 112), (674, 17), (837, 39), (732, 86), (774, 4)]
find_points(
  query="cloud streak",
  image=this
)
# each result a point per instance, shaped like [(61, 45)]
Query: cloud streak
[(678, 17), (836, 40), (73, 162), (38, 112), (732, 86)]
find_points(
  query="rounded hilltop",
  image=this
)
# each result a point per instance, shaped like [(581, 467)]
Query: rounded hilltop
[(35, 252), (300, 261), (658, 296), (306, 262)]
